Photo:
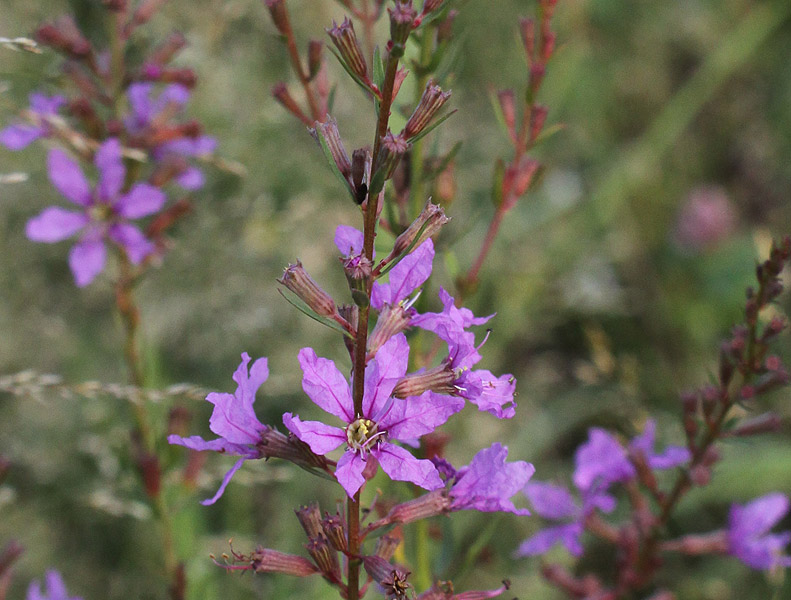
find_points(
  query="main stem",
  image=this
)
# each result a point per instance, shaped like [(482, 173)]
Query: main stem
[(361, 341), (130, 315)]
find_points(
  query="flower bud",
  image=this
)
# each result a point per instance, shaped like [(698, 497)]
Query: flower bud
[(165, 52), (315, 50), (298, 281), (766, 423), (277, 10), (265, 560), (332, 137), (423, 507), (527, 28), (428, 223), (310, 518), (431, 5), (484, 594), (430, 102), (281, 94), (361, 169), (538, 116), (145, 11), (439, 379), (391, 149), (63, 35), (392, 320), (326, 558), (402, 16), (345, 40), (335, 531), (445, 27)]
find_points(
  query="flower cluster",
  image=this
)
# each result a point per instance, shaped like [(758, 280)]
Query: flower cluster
[(135, 136)]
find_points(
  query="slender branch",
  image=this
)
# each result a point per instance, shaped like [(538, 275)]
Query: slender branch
[(299, 69)]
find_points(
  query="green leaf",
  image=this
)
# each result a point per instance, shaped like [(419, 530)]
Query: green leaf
[(378, 69), (304, 308), (433, 126), (498, 112)]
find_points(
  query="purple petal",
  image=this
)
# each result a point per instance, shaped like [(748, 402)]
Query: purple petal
[(46, 105), (111, 170), (132, 240), (173, 94), (34, 591), (400, 465), (489, 482), (225, 481), (759, 516), (325, 385), (497, 394), (195, 442), (349, 472), (140, 106), (16, 137), (601, 458), (568, 535), (68, 178), (234, 419), (191, 178), (142, 200), (420, 415), (411, 272), (348, 240), (551, 501), (86, 260), (383, 372), (55, 224), (321, 438), (56, 588)]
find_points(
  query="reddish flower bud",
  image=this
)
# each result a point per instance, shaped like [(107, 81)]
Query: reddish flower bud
[(345, 40), (165, 51), (445, 27), (146, 10), (392, 148), (310, 518), (264, 560), (332, 137), (361, 170), (335, 530), (277, 10), (315, 51), (527, 28), (766, 423), (402, 17), (63, 35), (538, 116), (298, 281), (281, 94), (432, 5), (326, 558), (432, 100), (423, 507), (507, 101)]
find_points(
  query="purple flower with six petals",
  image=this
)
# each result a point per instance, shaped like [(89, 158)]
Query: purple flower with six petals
[(749, 539), (21, 135), (384, 419), (105, 212)]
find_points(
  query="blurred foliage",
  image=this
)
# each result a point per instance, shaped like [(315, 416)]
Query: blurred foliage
[(602, 314)]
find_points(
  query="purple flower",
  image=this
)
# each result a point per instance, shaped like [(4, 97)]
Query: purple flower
[(408, 275), (643, 444), (348, 240), (601, 460), (384, 419), (488, 483), (105, 212), (21, 135), (147, 113), (234, 420), (749, 539), (56, 589), (557, 504)]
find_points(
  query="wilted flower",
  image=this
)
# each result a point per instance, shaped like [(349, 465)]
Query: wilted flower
[(105, 211)]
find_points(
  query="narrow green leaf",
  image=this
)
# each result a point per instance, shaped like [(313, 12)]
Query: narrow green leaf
[(378, 69), (304, 308), (433, 126)]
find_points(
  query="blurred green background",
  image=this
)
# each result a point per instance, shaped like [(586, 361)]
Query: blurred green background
[(606, 306)]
